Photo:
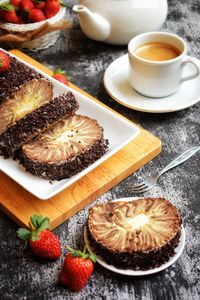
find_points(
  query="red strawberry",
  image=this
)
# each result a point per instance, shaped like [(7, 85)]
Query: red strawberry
[(51, 8), (36, 15), (42, 241), (60, 75), (20, 20), (77, 269), (26, 5), (15, 2), (4, 61), (39, 4), (8, 13)]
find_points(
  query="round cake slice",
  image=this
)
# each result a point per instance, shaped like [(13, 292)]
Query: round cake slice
[(65, 149), (140, 234)]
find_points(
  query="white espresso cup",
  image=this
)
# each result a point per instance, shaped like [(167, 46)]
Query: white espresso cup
[(154, 78)]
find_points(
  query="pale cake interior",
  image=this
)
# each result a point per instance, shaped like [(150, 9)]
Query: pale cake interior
[(68, 138), (133, 226)]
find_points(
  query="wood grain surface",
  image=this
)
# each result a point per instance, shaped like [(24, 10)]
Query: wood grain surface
[(20, 204)]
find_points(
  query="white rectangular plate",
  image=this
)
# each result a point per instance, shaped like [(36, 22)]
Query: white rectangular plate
[(117, 130)]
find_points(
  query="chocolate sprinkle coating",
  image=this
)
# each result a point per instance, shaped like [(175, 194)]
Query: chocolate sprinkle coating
[(36, 122), (137, 260), (17, 74), (56, 171)]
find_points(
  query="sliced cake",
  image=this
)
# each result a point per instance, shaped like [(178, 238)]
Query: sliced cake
[(26, 106), (138, 235), (65, 149)]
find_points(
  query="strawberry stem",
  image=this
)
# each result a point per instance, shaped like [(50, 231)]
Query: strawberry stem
[(30, 226), (84, 249), (84, 254)]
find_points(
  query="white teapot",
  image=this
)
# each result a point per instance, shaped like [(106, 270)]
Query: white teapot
[(117, 21)]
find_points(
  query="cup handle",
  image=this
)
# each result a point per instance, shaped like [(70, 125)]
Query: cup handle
[(189, 60)]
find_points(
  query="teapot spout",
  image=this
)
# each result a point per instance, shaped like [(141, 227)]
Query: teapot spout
[(92, 24)]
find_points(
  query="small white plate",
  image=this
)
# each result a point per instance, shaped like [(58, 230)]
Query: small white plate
[(118, 130), (178, 252), (117, 85)]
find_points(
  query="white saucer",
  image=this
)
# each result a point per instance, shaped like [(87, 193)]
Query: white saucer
[(178, 252), (117, 85)]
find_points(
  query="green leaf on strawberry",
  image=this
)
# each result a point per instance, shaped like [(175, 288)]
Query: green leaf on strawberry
[(40, 222), (42, 241), (7, 6), (63, 4), (36, 225), (84, 254), (59, 71)]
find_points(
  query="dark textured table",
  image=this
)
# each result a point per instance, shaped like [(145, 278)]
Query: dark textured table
[(23, 277)]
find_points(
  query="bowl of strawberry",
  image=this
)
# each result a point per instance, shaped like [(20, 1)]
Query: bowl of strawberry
[(32, 24)]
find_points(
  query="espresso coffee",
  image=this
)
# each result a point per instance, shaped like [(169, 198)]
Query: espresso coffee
[(157, 51)]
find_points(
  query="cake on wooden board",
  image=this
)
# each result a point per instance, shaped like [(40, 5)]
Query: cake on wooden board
[(44, 133), (65, 149)]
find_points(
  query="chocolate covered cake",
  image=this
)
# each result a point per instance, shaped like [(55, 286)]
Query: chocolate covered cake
[(22, 91), (138, 235), (26, 106), (16, 76), (65, 149)]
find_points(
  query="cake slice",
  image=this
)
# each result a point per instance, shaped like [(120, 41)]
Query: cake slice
[(26, 106), (139, 235), (64, 150)]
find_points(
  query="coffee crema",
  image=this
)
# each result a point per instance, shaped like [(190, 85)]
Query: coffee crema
[(157, 51)]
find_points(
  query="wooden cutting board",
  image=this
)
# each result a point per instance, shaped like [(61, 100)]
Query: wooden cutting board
[(19, 204)]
